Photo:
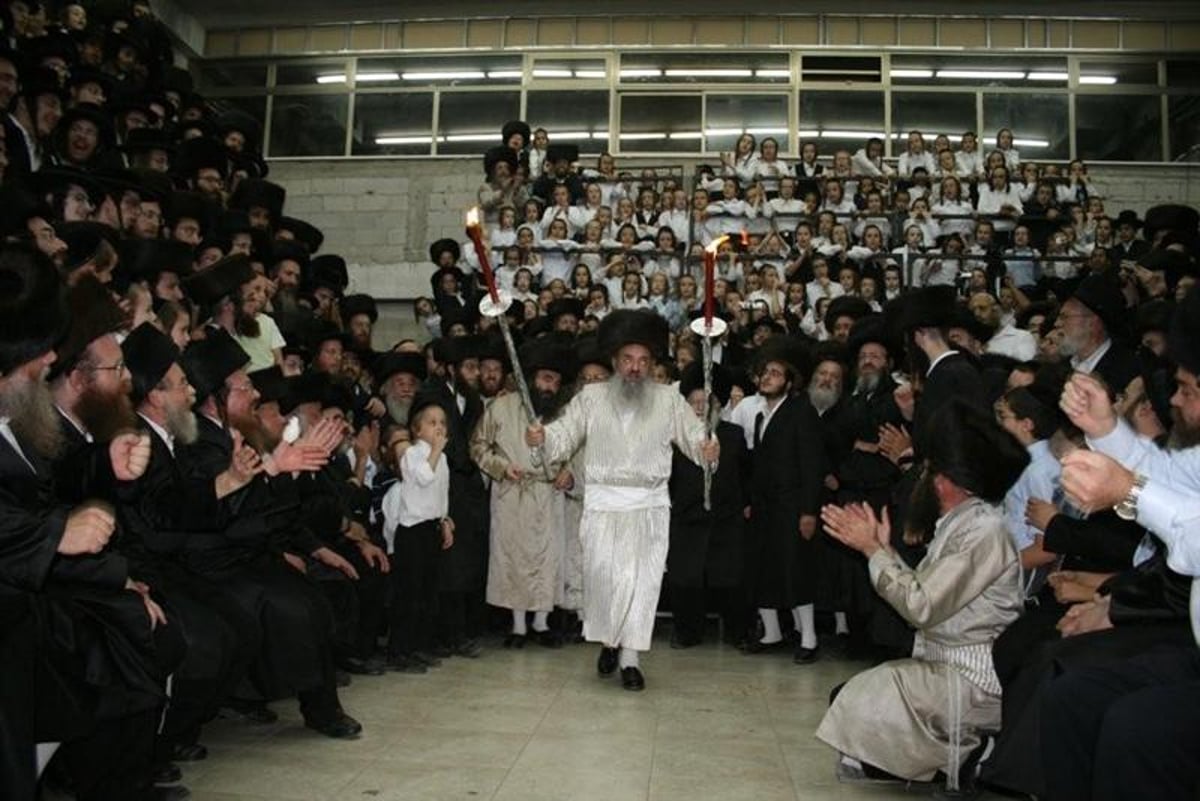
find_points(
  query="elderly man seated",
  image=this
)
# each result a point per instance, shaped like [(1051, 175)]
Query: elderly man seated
[(910, 718)]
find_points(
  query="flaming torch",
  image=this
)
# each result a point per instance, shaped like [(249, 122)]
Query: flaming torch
[(708, 328)]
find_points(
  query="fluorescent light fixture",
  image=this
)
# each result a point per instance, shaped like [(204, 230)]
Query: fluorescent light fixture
[(1100, 80), (460, 75), (641, 72), (367, 77), (338, 78), (929, 136), (633, 136), (772, 73), (902, 73), (552, 73), (835, 134), (1046, 76), (723, 132), (591, 74), (476, 137), (685, 135), (388, 139), (495, 75), (767, 131), (1031, 143), (710, 73), (808, 134), (571, 135), (600, 135), (983, 75)]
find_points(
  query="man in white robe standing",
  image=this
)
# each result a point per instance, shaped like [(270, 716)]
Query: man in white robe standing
[(627, 426)]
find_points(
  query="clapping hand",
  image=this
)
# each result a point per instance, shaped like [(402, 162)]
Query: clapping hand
[(856, 526), (894, 443), (246, 463), (130, 455)]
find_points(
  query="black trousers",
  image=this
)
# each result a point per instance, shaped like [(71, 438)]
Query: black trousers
[(415, 587), (1128, 729), (689, 604), (18, 669)]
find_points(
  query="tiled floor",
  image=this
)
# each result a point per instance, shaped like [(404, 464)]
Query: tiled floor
[(539, 725)]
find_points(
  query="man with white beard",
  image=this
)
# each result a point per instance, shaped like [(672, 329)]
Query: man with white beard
[(399, 376), (1087, 322), (825, 387), (627, 426)]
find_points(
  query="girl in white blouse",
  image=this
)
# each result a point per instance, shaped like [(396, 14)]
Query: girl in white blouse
[(951, 202), (968, 159), (742, 163), (771, 168), (915, 156), (1004, 143), (1000, 197)]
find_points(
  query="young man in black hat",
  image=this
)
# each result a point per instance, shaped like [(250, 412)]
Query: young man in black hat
[(626, 427), (789, 472), (707, 547), (559, 159), (525, 557), (502, 186)]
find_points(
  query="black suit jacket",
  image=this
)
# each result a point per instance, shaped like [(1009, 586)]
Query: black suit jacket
[(1118, 366), (790, 463), (952, 377)]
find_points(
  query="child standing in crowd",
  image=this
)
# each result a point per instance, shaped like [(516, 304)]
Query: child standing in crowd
[(415, 510)]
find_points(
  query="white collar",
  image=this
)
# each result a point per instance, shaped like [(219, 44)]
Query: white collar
[(938, 360), (163, 434), (1089, 364), (83, 432), (7, 433)]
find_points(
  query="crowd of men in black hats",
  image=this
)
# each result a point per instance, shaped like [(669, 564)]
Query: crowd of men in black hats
[(199, 434)]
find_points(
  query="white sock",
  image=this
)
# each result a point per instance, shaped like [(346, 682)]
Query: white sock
[(770, 621), (840, 624), (627, 658), (539, 621), (518, 621), (806, 625)]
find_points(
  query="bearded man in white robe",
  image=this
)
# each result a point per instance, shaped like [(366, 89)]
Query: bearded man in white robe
[(627, 426), (910, 718)]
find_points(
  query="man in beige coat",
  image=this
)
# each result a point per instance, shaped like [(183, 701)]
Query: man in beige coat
[(526, 556), (910, 718)]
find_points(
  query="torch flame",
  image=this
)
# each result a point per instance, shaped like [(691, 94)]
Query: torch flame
[(716, 243), (473, 217), (745, 238)]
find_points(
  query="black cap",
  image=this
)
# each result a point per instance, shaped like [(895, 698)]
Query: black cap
[(149, 354), (209, 361)]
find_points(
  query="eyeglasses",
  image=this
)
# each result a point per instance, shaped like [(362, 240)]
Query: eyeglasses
[(119, 367), (242, 388)]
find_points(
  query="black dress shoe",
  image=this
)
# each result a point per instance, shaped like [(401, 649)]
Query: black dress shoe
[(680, 641), (404, 663), (632, 679), (805, 656), (174, 793), (548, 639), (515, 640), (442, 651), (342, 727), (470, 649), (362, 667), (190, 752), (425, 658), (256, 712), (760, 647), (606, 664), (166, 773)]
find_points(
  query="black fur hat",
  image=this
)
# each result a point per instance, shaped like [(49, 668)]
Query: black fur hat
[(692, 379), (32, 310), (1183, 341), (963, 433), (149, 354), (209, 361), (634, 327)]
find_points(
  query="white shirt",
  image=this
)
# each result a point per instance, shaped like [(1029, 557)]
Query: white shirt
[(744, 413), (163, 434), (6, 432), (421, 494), (1088, 365), (1038, 480), (83, 432)]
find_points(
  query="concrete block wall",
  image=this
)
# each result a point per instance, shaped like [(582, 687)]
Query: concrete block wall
[(381, 214)]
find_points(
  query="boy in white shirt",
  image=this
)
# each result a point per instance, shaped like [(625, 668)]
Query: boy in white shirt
[(415, 510)]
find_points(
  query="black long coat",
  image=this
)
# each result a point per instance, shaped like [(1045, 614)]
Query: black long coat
[(708, 548), (788, 476)]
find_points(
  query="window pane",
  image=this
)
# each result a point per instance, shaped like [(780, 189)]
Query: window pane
[(860, 69), (729, 116), (329, 73), (931, 113), (470, 122), (415, 71), (217, 75), (1038, 123), (660, 123), (309, 125), (392, 124), (1118, 127), (957, 70), (840, 119), (705, 68), (577, 117), (1183, 73), (558, 69), (1120, 73), (1185, 127)]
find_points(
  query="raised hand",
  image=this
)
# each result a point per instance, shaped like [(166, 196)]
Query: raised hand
[(130, 455), (1094, 481), (325, 435), (246, 463), (856, 526), (366, 441), (88, 530), (1085, 400), (894, 442)]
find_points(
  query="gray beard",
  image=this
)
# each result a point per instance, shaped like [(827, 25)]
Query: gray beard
[(823, 399), (867, 382), (29, 407), (1069, 347), (629, 395), (182, 425), (398, 409)]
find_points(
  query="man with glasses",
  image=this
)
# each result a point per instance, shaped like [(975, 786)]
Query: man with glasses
[(1088, 320)]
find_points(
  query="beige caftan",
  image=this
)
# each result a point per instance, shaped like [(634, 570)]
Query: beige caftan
[(625, 526), (913, 717), (525, 557)]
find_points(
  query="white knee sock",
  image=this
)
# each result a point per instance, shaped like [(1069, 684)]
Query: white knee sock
[(770, 621), (518, 621), (539, 621), (627, 658), (840, 624), (803, 616)]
